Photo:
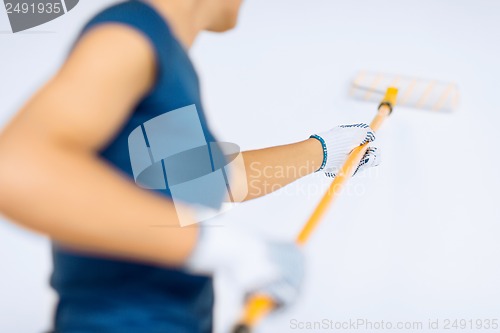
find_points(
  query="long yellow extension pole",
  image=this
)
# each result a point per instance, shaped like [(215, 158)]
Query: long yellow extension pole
[(259, 306)]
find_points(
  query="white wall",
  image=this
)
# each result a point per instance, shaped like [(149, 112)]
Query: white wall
[(419, 242)]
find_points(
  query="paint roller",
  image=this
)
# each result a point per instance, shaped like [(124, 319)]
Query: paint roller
[(413, 92), (385, 89)]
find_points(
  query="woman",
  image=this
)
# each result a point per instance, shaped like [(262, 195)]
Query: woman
[(66, 172)]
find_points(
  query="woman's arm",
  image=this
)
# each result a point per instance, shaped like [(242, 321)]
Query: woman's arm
[(52, 181), (269, 169)]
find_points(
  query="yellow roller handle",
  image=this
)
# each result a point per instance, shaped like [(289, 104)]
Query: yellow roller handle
[(259, 306), (347, 169)]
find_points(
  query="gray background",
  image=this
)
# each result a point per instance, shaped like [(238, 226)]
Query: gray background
[(415, 239)]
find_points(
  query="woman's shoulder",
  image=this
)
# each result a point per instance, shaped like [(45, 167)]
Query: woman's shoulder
[(133, 13)]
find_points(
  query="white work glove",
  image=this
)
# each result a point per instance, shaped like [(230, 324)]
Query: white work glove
[(255, 266), (340, 141)]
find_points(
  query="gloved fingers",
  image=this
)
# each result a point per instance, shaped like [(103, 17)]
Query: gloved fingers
[(364, 132), (371, 158), (290, 263), (282, 293)]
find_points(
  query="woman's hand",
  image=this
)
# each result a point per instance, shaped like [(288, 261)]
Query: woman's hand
[(252, 264), (340, 141)]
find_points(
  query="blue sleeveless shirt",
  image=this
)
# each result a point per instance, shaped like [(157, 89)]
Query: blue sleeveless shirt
[(107, 295)]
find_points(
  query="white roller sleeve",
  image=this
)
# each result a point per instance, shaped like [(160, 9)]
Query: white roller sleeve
[(413, 92)]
